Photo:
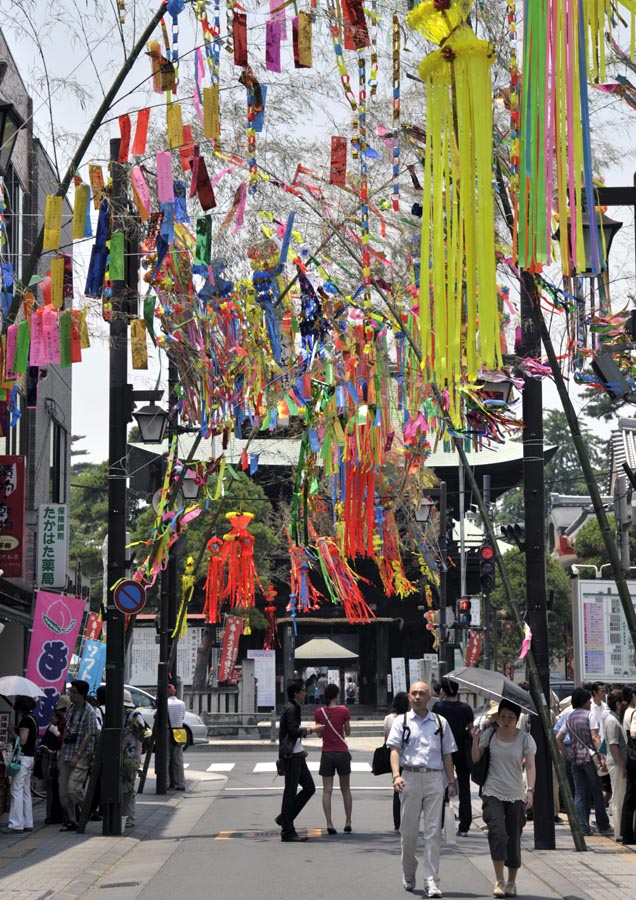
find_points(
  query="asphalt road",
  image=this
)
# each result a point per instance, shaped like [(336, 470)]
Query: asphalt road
[(234, 851)]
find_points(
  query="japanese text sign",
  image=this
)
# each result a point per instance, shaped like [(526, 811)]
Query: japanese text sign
[(12, 486), (52, 546), (229, 650)]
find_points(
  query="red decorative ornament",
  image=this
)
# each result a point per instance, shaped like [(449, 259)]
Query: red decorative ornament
[(238, 555), (214, 580), (271, 632)]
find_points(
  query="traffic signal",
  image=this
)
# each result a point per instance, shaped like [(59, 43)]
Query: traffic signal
[(464, 612), (487, 568)]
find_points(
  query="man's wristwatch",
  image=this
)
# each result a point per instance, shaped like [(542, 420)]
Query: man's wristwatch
[(530, 790)]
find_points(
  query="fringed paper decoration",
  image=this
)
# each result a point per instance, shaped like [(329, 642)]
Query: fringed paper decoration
[(187, 589), (270, 641), (214, 580), (555, 154), (304, 596), (342, 582), (459, 323), (238, 553)]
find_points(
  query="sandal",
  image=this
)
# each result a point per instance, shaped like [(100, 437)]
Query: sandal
[(499, 889), (511, 889)]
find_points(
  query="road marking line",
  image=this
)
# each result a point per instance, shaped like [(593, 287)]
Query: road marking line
[(220, 767), (360, 767), (265, 767)]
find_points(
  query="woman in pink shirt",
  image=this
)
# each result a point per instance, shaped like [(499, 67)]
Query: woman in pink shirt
[(335, 754)]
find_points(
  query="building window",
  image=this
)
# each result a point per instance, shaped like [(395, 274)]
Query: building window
[(15, 440), (14, 200), (57, 469)]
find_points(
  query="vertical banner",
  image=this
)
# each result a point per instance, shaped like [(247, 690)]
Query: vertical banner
[(91, 667), (52, 545), (473, 648), (93, 627), (233, 629), (56, 624), (398, 674), (12, 489)]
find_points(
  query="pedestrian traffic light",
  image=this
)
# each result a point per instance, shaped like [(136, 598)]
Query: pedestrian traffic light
[(464, 608), (487, 568)]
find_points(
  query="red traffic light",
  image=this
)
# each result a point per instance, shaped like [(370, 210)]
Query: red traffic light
[(464, 606), (486, 552)]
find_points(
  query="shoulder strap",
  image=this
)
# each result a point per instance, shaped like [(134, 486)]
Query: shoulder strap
[(330, 724)]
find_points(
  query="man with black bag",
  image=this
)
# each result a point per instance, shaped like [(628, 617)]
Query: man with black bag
[(460, 717), (290, 751)]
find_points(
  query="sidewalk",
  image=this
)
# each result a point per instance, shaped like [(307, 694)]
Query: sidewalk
[(52, 865)]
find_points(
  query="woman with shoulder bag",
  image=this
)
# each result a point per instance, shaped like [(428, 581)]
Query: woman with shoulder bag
[(21, 811), (505, 799), (335, 754)]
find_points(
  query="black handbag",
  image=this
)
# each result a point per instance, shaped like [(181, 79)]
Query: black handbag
[(479, 770), (631, 755), (381, 764)]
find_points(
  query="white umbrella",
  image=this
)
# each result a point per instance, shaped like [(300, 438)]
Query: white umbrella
[(17, 686)]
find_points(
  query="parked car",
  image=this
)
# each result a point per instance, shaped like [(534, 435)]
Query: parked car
[(196, 729)]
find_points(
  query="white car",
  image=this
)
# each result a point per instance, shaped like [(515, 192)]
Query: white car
[(195, 727)]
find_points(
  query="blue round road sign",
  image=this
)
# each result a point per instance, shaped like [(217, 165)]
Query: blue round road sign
[(129, 597)]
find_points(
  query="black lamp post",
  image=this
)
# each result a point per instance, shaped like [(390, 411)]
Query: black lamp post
[(10, 124), (152, 421), (422, 515)]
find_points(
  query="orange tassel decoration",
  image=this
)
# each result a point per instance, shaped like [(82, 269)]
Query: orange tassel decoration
[(271, 632), (238, 554), (214, 580)]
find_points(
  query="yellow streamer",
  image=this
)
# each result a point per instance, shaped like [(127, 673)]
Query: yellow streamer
[(52, 222)]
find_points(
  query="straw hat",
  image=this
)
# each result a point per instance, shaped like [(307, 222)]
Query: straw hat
[(63, 703)]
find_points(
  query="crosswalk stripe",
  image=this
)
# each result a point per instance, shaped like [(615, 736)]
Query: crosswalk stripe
[(220, 767)]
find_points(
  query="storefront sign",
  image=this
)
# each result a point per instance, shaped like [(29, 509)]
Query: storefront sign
[(12, 488), (52, 545)]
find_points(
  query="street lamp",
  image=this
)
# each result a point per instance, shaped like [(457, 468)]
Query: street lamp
[(10, 125), (422, 515), (152, 421), (610, 227), (190, 486)]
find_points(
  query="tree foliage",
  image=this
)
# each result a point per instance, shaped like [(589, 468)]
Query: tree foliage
[(559, 617)]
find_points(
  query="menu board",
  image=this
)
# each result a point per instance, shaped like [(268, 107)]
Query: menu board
[(603, 649), (144, 656)]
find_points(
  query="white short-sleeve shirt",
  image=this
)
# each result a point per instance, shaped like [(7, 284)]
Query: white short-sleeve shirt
[(425, 745)]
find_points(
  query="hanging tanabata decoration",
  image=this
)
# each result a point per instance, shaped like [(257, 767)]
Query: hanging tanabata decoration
[(459, 322)]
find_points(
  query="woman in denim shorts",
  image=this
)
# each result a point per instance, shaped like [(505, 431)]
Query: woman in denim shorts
[(335, 756)]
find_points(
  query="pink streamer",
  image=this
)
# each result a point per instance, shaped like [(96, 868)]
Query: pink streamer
[(12, 335), (165, 187), (277, 11)]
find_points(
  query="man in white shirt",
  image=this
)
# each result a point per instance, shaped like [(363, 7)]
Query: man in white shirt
[(423, 748), (176, 712), (599, 711)]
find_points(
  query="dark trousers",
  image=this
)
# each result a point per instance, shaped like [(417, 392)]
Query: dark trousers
[(296, 773), (586, 777), (505, 820), (54, 811), (629, 808), (463, 789)]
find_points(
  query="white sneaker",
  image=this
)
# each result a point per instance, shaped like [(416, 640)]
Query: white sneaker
[(408, 882), (432, 888)]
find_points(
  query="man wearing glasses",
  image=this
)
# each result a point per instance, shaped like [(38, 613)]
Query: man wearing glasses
[(423, 745)]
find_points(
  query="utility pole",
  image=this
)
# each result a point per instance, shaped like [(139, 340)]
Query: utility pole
[(167, 622), (536, 578), (119, 410)]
